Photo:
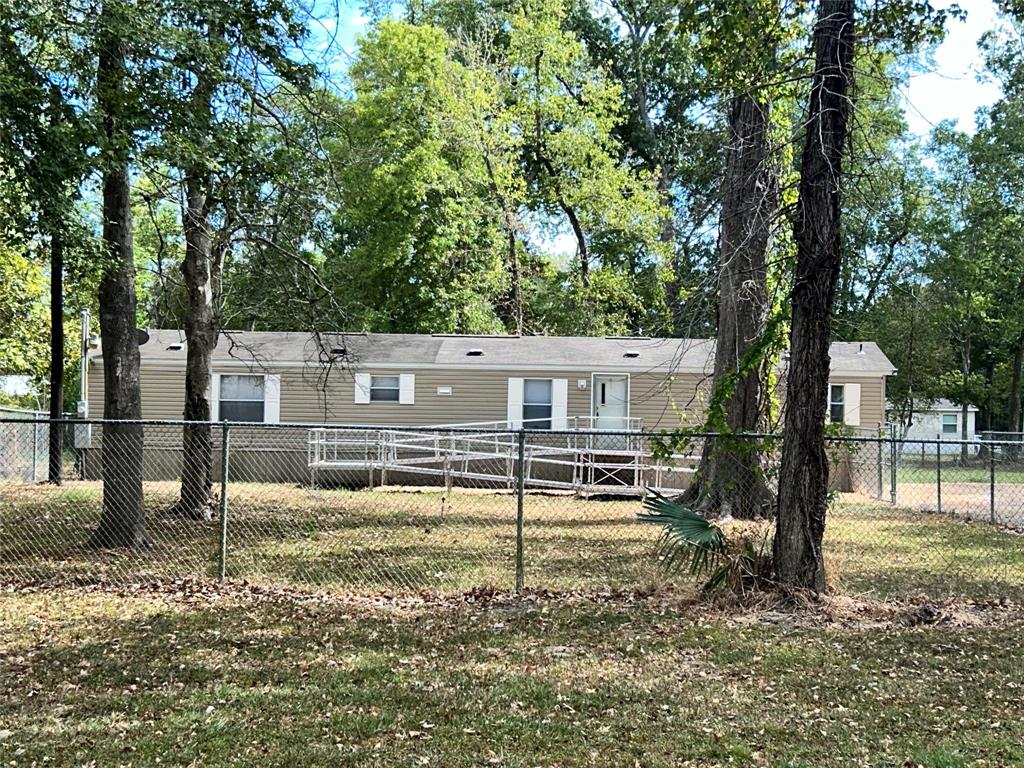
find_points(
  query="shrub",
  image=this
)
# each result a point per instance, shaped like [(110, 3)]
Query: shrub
[(727, 554)]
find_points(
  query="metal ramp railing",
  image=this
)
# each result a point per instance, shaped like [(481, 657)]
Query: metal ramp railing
[(579, 461)]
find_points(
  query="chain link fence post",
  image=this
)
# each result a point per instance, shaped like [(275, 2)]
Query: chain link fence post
[(878, 495), (992, 484), (938, 475), (893, 459), (35, 450), (225, 446), (520, 494)]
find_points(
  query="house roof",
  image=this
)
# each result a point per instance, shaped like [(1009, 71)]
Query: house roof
[(483, 352), (937, 406)]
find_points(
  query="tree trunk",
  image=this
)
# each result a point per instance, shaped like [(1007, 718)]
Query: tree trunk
[(803, 479), (730, 480), (201, 317), (1013, 409), (56, 429), (123, 520), (984, 415), (511, 310), (965, 379), (669, 235), (201, 338), (516, 287)]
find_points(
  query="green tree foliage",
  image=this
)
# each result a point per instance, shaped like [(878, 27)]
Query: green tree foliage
[(456, 158), (23, 311), (415, 247)]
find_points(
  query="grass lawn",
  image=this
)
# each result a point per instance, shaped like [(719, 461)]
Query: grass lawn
[(192, 677), (372, 542), (911, 470)]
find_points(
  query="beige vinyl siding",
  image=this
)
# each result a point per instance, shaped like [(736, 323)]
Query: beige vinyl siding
[(163, 391), (477, 396), (666, 401), (872, 397), (660, 400)]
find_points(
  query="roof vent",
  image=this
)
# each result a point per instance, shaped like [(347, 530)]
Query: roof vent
[(175, 347), (860, 350), (631, 354), (339, 351), (475, 353)]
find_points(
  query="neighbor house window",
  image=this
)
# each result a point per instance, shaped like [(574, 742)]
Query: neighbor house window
[(242, 398), (537, 404), (949, 424), (385, 389), (837, 404)]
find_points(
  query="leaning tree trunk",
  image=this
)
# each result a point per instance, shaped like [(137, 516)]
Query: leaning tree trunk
[(123, 520), (201, 338), (803, 479), (730, 479), (1013, 409)]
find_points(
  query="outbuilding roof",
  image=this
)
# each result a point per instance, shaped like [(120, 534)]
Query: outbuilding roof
[(383, 350)]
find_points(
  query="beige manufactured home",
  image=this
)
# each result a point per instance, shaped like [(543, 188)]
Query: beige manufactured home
[(417, 380), (575, 395)]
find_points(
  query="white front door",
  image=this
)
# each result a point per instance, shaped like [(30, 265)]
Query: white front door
[(611, 402)]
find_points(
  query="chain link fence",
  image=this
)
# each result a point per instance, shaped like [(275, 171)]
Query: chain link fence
[(25, 455), (402, 510)]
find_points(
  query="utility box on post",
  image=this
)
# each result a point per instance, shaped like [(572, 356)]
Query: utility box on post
[(83, 432)]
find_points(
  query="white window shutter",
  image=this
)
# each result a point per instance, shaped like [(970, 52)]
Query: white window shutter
[(215, 397), (271, 399), (362, 388), (851, 404), (515, 403), (559, 404), (406, 389)]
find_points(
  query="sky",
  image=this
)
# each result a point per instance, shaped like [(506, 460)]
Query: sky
[(949, 88), (952, 90)]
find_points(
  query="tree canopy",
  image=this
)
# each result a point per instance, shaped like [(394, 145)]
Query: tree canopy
[(544, 166)]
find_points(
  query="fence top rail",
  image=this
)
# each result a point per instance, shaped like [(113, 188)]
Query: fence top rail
[(1001, 437), (321, 427), (535, 434)]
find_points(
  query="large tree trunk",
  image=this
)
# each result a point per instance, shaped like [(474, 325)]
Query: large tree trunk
[(123, 521), (803, 479), (56, 429), (201, 317), (730, 480), (201, 338), (1013, 407)]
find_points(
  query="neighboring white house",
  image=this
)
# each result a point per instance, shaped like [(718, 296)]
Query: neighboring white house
[(941, 420)]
